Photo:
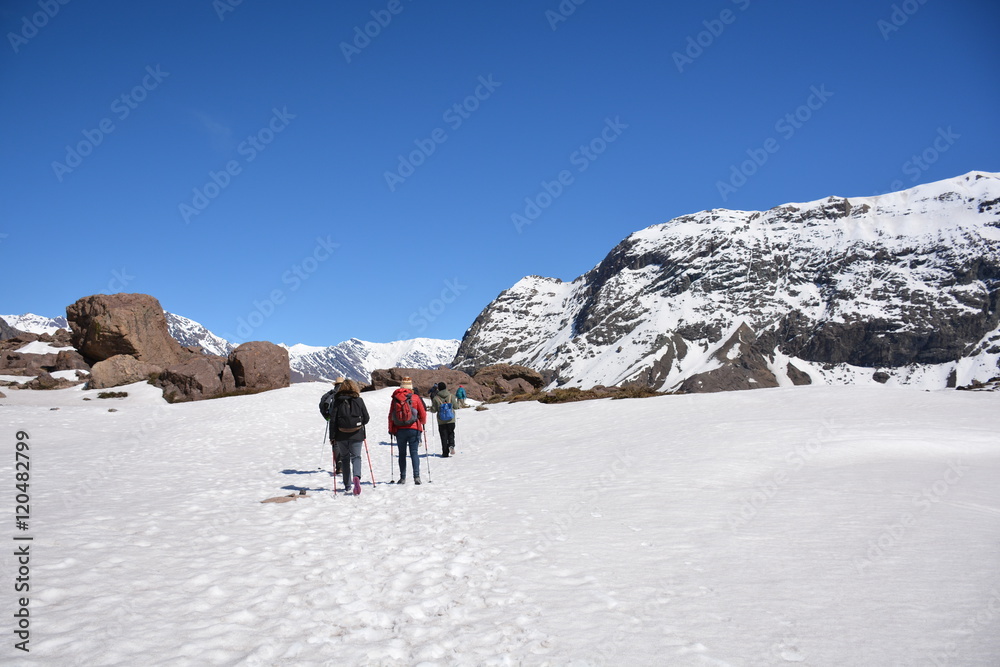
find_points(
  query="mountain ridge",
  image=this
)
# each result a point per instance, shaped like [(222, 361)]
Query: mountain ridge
[(903, 284)]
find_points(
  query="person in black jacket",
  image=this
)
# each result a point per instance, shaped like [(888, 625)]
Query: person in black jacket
[(325, 405), (347, 423)]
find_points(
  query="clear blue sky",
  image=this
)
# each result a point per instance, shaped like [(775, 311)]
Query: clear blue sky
[(242, 162)]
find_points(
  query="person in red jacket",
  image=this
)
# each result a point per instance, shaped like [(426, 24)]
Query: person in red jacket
[(407, 416)]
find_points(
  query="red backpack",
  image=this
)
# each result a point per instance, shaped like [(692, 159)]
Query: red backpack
[(403, 413)]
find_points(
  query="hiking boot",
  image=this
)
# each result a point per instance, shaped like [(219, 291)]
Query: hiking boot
[(357, 486), (451, 450), (402, 480), (416, 480)]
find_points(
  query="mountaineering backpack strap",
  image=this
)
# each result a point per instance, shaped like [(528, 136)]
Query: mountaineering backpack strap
[(445, 412), (349, 418), (403, 412)]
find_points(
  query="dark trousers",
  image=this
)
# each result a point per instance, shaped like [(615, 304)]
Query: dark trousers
[(447, 432)]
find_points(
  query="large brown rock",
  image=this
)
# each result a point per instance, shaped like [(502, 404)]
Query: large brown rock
[(260, 366), (197, 378), (423, 378), (120, 369), (71, 360), (509, 379), (105, 325), (45, 381)]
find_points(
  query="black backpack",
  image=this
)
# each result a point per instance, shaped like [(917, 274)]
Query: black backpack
[(349, 418), (326, 403)]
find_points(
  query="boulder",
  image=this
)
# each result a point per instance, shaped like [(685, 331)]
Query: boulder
[(260, 366), (120, 369), (71, 360), (509, 379), (46, 381), (105, 325), (423, 378), (200, 377)]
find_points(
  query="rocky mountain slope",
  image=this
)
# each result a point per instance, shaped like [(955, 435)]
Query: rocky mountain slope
[(191, 334), (898, 288), (36, 324)]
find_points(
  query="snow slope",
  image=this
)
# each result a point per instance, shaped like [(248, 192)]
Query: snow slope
[(816, 526)]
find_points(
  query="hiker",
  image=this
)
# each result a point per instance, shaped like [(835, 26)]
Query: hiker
[(325, 403), (407, 416), (347, 421), (433, 390), (444, 405), (460, 395)]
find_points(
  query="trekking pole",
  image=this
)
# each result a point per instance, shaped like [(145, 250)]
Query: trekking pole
[(325, 428), (427, 456), (370, 469)]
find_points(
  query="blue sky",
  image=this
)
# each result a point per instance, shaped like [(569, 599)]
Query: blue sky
[(311, 172)]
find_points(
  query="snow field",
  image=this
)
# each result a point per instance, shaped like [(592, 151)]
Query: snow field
[(810, 525)]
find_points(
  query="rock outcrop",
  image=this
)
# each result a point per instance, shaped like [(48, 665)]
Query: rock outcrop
[(106, 325), (121, 369), (260, 366), (126, 338)]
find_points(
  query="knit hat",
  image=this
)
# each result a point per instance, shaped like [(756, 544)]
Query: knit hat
[(441, 386), (407, 383), (339, 379)]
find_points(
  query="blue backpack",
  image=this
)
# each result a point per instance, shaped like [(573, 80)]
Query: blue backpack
[(445, 412)]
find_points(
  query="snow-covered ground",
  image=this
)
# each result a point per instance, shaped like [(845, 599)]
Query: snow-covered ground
[(814, 525)]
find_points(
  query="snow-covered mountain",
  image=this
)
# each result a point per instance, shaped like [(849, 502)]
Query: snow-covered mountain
[(36, 324), (356, 359), (898, 288), (192, 334)]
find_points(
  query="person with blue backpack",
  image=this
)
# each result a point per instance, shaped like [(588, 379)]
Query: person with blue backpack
[(444, 405)]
